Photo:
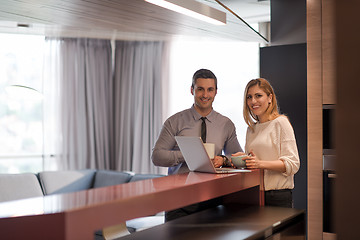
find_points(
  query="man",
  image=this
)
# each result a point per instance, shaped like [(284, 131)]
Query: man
[(220, 130)]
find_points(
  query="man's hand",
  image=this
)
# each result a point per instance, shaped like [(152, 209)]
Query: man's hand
[(218, 161)]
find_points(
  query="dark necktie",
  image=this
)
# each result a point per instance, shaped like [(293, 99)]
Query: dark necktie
[(203, 129)]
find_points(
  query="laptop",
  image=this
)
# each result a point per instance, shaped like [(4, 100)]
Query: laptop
[(196, 157)]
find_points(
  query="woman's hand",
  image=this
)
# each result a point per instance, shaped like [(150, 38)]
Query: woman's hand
[(252, 162)]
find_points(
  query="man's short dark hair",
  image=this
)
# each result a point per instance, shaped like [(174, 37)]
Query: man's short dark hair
[(203, 73)]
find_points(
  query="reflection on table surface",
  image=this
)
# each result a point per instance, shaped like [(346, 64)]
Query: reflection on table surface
[(119, 193)]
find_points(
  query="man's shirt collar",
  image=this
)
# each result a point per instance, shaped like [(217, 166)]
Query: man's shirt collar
[(197, 115)]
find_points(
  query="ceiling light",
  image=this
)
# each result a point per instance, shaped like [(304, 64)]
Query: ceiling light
[(194, 9), (23, 25)]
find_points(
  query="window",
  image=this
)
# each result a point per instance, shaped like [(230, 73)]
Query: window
[(21, 128), (22, 103)]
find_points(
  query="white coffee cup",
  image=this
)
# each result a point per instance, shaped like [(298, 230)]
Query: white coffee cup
[(210, 149)]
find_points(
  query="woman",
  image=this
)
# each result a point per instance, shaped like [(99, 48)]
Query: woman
[(270, 143)]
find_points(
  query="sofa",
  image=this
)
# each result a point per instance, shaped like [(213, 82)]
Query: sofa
[(27, 185)]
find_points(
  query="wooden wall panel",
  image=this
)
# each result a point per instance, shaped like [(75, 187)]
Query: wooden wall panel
[(347, 194), (314, 102), (328, 52)]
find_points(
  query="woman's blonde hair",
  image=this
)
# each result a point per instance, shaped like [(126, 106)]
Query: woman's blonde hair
[(272, 111)]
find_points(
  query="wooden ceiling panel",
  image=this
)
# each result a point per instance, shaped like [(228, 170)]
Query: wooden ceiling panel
[(115, 19)]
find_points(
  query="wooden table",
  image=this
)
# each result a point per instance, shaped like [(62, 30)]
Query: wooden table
[(78, 215)]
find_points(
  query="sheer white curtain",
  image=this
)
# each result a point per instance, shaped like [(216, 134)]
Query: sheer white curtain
[(51, 110), (83, 86), (140, 68), (99, 120)]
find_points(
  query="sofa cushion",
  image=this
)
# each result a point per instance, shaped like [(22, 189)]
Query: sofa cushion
[(54, 182), (140, 176), (104, 178), (19, 186)]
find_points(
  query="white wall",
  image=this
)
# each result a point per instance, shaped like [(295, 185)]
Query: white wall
[(233, 63)]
